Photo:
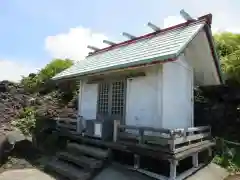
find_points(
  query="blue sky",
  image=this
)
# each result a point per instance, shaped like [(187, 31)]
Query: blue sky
[(34, 32)]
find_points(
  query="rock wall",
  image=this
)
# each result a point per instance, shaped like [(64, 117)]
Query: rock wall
[(219, 106), (13, 98)]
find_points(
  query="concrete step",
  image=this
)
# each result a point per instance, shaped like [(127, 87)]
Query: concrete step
[(82, 161), (95, 152), (67, 170)]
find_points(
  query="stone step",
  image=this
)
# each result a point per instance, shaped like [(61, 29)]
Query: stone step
[(82, 161), (95, 152), (67, 170)]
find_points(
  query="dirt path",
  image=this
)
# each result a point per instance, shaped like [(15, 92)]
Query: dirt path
[(233, 177), (26, 163), (25, 174), (24, 156)]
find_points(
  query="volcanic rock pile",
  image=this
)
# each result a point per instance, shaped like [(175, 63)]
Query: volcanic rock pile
[(13, 98)]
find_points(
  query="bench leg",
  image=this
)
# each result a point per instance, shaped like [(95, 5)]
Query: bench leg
[(210, 152), (173, 169), (195, 160), (136, 161)]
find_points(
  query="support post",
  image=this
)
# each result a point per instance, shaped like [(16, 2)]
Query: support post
[(195, 160), (141, 134), (210, 152), (173, 169), (171, 141), (136, 161), (116, 123), (78, 124)]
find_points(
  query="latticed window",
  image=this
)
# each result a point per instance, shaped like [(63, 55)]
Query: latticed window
[(111, 98), (117, 98), (103, 99)]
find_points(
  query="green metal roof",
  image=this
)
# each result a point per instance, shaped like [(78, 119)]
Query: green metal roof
[(162, 46)]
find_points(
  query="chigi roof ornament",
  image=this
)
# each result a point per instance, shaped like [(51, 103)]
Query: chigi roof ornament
[(93, 48), (129, 36), (153, 26), (109, 42), (185, 15)]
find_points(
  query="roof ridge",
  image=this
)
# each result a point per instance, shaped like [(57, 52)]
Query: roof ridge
[(207, 18)]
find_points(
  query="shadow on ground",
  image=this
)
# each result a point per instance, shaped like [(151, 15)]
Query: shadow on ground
[(24, 155)]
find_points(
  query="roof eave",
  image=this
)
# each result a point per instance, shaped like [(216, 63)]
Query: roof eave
[(147, 62), (214, 52)]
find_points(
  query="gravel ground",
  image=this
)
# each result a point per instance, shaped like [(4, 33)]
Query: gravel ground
[(233, 177), (25, 159), (24, 156), (22, 163)]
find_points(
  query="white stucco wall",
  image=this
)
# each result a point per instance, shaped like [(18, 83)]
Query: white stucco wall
[(177, 94), (162, 98), (198, 55), (88, 94), (143, 99)]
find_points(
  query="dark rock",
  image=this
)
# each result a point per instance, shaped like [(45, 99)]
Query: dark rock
[(221, 111), (13, 99)]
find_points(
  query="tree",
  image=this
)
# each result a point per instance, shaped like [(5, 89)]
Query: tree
[(53, 68), (34, 82), (228, 48)]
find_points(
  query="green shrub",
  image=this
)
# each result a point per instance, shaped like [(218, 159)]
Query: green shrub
[(228, 155), (26, 121), (35, 82)]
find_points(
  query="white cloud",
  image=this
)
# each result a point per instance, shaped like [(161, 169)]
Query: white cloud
[(73, 44), (13, 71)]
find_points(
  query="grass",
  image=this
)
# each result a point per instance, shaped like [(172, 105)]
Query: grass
[(228, 155)]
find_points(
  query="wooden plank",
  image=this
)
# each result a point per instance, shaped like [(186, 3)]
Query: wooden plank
[(156, 140), (180, 140), (66, 119), (82, 161), (67, 170), (191, 151), (160, 130), (68, 126), (66, 132), (66, 123), (95, 152), (144, 148), (98, 142), (128, 127), (125, 135), (184, 148), (200, 128), (148, 173)]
